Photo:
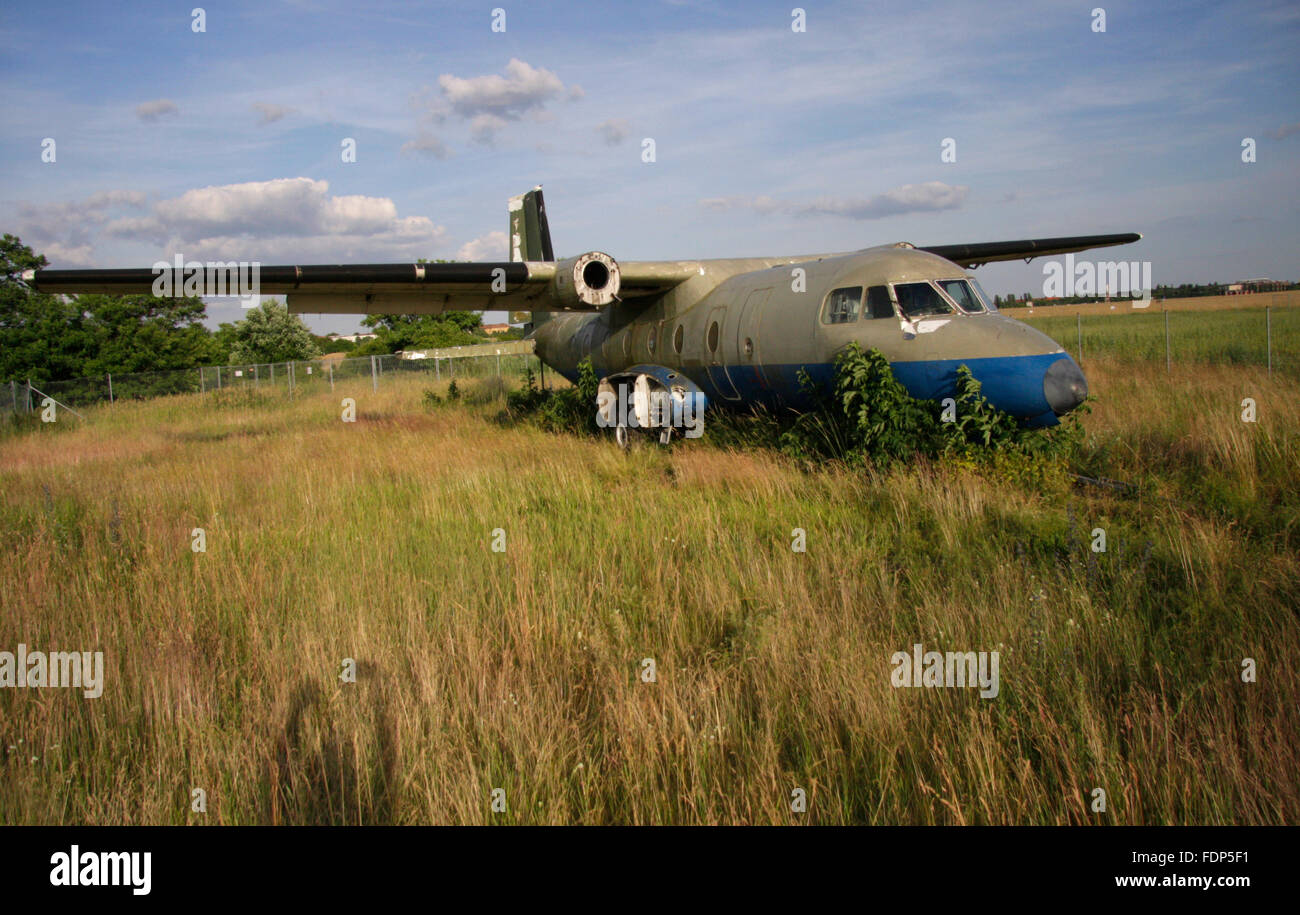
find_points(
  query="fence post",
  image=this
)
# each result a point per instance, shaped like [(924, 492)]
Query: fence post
[(257, 381), (331, 376), (1268, 333), (1078, 320), (29, 395), (498, 363), (374, 379), (13, 392), (110, 386), (203, 382), (272, 374), (1168, 361), (218, 378)]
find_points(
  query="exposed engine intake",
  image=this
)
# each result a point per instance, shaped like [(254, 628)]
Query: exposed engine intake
[(587, 281)]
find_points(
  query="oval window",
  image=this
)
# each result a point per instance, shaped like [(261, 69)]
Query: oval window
[(713, 337), (679, 337)]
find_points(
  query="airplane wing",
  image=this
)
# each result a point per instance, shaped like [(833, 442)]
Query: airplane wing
[(588, 282), (1029, 248)]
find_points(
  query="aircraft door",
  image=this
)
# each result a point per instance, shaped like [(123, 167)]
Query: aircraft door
[(744, 362), (714, 341)]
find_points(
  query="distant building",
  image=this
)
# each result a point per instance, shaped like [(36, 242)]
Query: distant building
[(1259, 284), (495, 328), (351, 338)]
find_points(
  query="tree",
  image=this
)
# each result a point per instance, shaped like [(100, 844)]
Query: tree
[(56, 338), (270, 334), (403, 332)]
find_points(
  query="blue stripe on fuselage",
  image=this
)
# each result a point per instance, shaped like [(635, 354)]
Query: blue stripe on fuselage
[(1011, 383)]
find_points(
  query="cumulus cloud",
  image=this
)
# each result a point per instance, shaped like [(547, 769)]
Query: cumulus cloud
[(61, 255), (489, 247), (289, 218), (488, 103), (929, 196), (156, 109), (615, 131), (427, 144), (270, 113), (64, 232)]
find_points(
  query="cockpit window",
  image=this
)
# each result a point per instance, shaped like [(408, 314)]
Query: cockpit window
[(842, 305), (920, 299), (979, 290), (963, 295), (878, 304)]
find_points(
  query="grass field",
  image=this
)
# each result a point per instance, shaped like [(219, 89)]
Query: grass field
[(523, 670), (1222, 336)]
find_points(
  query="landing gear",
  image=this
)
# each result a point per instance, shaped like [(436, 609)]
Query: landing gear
[(620, 436)]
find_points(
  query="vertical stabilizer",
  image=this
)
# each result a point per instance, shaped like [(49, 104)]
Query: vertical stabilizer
[(530, 236)]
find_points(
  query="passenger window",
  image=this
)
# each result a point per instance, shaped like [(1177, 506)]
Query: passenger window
[(920, 299), (842, 305), (961, 293), (878, 304)]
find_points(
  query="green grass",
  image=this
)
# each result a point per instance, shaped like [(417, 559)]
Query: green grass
[(1229, 337), (520, 670)]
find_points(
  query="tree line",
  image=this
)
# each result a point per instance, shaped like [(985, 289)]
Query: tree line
[(57, 338)]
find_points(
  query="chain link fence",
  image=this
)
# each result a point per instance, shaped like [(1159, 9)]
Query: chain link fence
[(1267, 337), (293, 378)]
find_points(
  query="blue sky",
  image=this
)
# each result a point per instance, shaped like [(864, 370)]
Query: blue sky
[(227, 143)]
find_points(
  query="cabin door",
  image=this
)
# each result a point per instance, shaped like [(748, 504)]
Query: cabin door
[(744, 365)]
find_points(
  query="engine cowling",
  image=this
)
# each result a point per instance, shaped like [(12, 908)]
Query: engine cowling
[(587, 281), (651, 398)]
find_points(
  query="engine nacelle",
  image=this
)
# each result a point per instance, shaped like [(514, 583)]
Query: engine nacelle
[(651, 398), (587, 281)]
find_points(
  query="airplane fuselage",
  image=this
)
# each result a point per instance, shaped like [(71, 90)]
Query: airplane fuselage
[(743, 329)]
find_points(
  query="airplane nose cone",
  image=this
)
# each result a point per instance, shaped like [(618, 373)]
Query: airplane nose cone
[(1064, 386)]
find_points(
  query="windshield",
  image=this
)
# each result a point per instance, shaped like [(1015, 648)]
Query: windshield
[(988, 299), (960, 292), (920, 299)]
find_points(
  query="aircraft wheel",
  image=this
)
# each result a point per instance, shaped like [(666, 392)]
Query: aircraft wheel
[(620, 436)]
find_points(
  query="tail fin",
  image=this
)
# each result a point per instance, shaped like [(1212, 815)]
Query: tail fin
[(530, 236)]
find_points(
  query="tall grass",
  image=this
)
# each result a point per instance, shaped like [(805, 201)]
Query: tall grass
[(522, 670)]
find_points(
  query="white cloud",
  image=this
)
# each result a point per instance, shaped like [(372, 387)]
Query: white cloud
[(523, 87), (292, 218), (489, 247), (929, 196), (65, 231), (61, 255), (156, 109), (427, 144), (484, 127), (283, 206), (488, 103), (615, 130), (270, 113)]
